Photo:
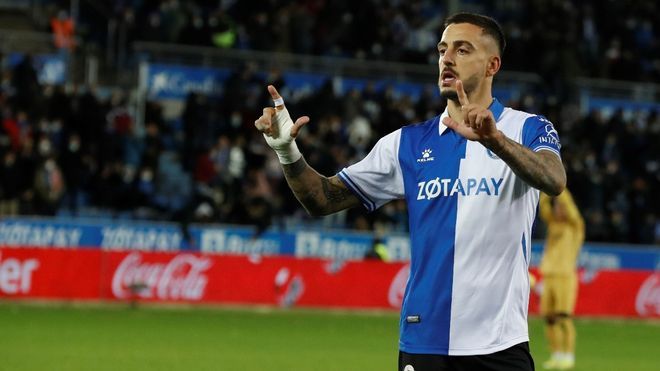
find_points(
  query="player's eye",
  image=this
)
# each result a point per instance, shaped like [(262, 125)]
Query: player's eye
[(462, 51), (442, 51)]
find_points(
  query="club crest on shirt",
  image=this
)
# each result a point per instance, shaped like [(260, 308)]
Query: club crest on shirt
[(426, 156)]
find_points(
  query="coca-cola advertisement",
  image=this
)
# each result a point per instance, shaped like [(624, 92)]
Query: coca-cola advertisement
[(182, 277), (281, 281), (647, 302), (93, 274)]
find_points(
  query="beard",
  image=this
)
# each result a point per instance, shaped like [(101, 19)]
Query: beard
[(449, 94), (469, 85)]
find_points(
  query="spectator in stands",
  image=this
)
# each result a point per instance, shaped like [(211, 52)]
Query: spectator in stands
[(377, 251), (198, 131), (27, 89), (49, 186), (75, 172), (153, 30), (10, 184), (195, 32), (223, 30), (63, 29)]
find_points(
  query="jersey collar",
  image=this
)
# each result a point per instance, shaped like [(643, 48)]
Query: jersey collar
[(495, 107)]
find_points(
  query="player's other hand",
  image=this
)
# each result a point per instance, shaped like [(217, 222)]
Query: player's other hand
[(279, 130), (276, 123), (478, 123)]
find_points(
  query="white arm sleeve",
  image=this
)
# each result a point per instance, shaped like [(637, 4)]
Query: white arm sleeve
[(377, 178)]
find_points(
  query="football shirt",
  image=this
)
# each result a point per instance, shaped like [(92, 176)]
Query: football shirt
[(470, 225)]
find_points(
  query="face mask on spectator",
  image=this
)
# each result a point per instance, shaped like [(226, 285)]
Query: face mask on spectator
[(146, 176), (74, 145), (49, 165), (44, 147)]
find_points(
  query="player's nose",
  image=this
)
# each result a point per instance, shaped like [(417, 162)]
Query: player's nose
[(447, 59)]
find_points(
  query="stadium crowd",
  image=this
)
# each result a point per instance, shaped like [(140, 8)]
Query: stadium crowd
[(75, 151), (608, 39)]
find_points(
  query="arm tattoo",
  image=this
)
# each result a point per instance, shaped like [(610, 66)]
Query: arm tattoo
[(334, 193), (310, 203), (541, 171), (295, 169), (318, 194)]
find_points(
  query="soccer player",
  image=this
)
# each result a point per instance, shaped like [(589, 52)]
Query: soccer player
[(471, 179), (558, 266)]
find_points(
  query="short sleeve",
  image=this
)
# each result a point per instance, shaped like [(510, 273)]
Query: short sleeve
[(540, 135), (377, 179)]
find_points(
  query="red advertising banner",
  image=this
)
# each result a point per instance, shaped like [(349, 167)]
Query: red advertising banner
[(240, 279), (50, 273), (628, 293), (93, 274)]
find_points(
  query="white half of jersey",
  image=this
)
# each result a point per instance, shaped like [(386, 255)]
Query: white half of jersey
[(470, 226)]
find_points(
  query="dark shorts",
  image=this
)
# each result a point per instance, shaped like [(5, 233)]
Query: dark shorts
[(516, 358)]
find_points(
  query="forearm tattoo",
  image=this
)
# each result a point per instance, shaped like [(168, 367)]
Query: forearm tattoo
[(532, 168), (295, 169), (318, 194)]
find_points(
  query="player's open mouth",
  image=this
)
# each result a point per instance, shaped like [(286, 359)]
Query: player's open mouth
[(447, 78)]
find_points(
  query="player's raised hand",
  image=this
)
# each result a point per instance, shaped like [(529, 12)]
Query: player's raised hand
[(279, 129), (478, 122)]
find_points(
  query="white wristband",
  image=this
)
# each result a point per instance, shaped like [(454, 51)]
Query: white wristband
[(289, 154)]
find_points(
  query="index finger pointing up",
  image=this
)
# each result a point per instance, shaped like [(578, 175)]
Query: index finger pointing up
[(277, 98), (462, 96)]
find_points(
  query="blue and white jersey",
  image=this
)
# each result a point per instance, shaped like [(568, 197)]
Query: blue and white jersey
[(470, 226)]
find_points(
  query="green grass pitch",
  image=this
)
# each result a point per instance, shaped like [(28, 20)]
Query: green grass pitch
[(115, 337)]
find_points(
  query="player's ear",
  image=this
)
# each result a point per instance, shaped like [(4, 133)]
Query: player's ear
[(494, 63)]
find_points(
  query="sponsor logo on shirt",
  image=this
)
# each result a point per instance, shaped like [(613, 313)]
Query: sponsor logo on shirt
[(426, 156), (438, 187)]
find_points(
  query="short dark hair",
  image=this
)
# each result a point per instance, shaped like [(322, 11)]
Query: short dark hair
[(489, 25)]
